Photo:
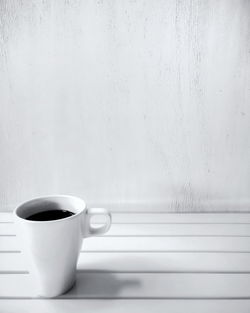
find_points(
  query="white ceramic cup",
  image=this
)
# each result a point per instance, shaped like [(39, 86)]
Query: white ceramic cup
[(52, 247)]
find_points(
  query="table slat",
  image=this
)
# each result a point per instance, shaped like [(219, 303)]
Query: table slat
[(177, 244), (124, 306), (162, 229), (138, 285), (146, 262), (165, 218)]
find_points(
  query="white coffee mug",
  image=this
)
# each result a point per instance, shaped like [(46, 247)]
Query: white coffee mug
[(52, 247)]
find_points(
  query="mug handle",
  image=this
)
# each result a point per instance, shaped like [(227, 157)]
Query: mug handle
[(95, 231)]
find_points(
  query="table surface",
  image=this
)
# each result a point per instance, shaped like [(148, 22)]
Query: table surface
[(147, 261)]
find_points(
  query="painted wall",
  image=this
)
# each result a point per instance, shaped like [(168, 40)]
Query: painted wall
[(132, 104)]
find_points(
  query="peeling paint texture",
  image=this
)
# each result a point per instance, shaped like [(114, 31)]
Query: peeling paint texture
[(140, 102)]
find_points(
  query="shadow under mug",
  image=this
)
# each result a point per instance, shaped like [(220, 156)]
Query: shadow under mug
[(52, 247)]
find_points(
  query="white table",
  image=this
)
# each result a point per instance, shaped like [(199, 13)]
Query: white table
[(146, 263)]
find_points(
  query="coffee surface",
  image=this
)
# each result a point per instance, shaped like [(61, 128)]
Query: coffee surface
[(49, 215)]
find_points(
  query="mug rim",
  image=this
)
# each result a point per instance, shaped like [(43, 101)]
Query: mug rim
[(15, 212)]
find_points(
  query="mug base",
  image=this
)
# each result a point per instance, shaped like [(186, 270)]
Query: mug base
[(44, 295)]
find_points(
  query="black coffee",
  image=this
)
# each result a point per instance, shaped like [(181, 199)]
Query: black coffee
[(49, 215)]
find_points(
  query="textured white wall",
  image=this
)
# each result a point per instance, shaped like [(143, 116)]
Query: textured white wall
[(126, 102)]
